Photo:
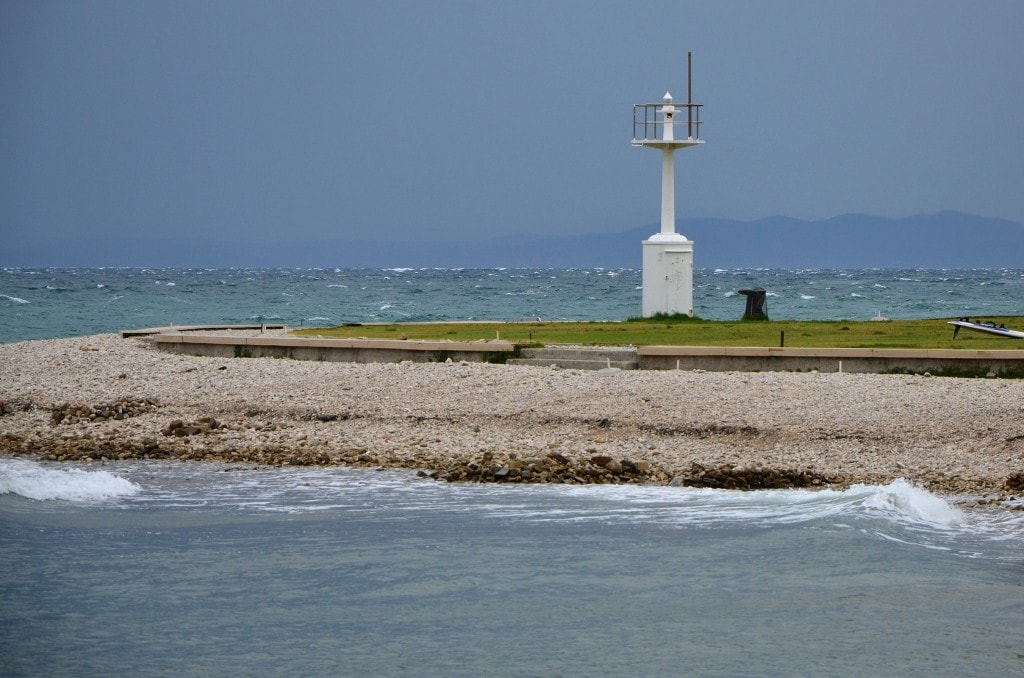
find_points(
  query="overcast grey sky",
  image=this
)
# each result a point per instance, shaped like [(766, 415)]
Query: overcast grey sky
[(244, 119)]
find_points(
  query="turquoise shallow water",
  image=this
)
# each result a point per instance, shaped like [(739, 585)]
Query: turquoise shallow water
[(43, 303), (195, 570)]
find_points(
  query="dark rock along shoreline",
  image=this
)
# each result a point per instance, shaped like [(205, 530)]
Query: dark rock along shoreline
[(74, 444), (553, 467)]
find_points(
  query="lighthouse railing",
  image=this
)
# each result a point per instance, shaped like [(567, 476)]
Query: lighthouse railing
[(649, 124)]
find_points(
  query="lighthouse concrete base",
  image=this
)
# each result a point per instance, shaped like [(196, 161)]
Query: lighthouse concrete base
[(668, 275)]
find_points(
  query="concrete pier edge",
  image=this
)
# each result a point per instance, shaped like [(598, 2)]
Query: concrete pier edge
[(207, 341)]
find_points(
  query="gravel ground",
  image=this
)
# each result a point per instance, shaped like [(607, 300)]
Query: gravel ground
[(60, 400)]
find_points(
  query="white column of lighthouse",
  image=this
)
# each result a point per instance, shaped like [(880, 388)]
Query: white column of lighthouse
[(668, 171), (668, 191)]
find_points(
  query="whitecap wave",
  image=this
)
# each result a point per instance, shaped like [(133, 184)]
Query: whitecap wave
[(898, 505), (44, 483), (16, 300), (898, 512), (902, 501)]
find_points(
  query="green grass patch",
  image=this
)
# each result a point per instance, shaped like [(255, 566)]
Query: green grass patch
[(673, 331)]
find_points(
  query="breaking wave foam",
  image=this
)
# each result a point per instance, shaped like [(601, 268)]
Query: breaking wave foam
[(34, 481), (904, 501)]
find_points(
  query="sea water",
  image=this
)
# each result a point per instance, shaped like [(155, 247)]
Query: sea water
[(43, 303), (158, 568), (153, 568)]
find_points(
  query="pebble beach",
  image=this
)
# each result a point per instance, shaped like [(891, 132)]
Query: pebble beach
[(104, 397)]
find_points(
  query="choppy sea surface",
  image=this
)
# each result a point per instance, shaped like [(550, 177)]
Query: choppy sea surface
[(43, 303), (153, 568), (160, 568)]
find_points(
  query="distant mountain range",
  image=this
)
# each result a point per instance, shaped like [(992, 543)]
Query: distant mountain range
[(941, 240)]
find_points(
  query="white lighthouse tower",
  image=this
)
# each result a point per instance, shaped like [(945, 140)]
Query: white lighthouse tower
[(668, 256)]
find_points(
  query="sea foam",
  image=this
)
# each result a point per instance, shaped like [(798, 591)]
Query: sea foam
[(34, 481), (912, 503), (898, 505)]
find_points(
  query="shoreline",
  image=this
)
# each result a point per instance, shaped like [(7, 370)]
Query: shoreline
[(102, 396)]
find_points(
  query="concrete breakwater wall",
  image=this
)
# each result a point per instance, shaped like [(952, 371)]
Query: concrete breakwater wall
[(954, 362), (333, 350), (1005, 363)]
